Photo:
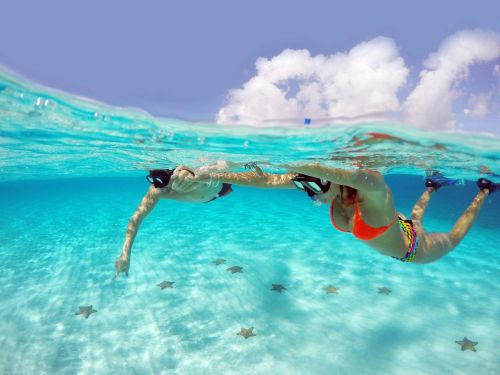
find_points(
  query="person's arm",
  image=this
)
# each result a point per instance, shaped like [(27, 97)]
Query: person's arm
[(257, 179), (360, 179), (145, 207)]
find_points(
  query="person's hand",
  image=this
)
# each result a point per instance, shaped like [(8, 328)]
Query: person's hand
[(182, 180), (253, 166), (122, 264)]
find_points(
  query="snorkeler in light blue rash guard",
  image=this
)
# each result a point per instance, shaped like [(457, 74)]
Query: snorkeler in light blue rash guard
[(167, 184)]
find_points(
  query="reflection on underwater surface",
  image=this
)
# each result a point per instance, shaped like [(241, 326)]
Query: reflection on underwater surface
[(53, 135), (59, 239)]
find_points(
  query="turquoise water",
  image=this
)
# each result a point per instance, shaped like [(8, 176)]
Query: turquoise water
[(72, 174)]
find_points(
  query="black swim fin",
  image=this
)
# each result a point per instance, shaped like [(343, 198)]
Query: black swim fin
[(484, 183)]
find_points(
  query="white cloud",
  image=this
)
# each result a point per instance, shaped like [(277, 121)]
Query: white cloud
[(430, 103), (496, 70), (496, 73), (362, 84), (479, 106), (293, 85)]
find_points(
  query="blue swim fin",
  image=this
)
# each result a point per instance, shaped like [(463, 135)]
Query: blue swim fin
[(436, 180)]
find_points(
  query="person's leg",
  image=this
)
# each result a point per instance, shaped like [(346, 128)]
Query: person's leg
[(419, 209), (435, 245), (433, 182), (465, 221)]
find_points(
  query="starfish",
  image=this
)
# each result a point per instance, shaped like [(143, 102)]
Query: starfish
[(278, 288), (384, 290), (166, 284), (466, 344), (219, 261), (235, 269), (85, 311), (246, 332), (331, 289)]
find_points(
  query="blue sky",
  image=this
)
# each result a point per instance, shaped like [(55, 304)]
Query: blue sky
[(181, 59)]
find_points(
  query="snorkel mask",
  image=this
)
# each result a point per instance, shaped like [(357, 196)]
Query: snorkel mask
[(311, 185), (160, 177)]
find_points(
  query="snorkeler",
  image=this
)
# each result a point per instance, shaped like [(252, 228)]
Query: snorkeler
[(362, 203), (167, 184)]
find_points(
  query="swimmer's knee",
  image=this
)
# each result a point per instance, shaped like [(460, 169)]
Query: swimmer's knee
[(416, 214), (455, 238)]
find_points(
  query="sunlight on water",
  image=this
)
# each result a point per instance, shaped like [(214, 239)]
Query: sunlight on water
[(53, 134)]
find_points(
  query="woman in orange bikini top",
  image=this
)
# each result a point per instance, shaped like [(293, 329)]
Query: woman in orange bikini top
[(368, 210), (360, 229)]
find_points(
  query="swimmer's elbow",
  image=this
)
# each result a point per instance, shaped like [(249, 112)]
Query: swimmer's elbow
[(139, 216), (134, 222), (369, 180)]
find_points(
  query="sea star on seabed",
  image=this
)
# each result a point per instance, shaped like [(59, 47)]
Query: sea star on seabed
[(219, 261), (466, 344), (331, 289), (384, 290), (278, 288), (246, 332), (235, 269), (166, 284), (85, 311)]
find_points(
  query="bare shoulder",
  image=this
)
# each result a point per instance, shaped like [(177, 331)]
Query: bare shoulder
[(366, 180)]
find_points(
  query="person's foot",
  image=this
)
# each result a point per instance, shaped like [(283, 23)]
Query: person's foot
[(484, 183), (436, 180)]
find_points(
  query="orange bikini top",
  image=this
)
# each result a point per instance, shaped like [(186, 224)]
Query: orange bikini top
[(360, 229)]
